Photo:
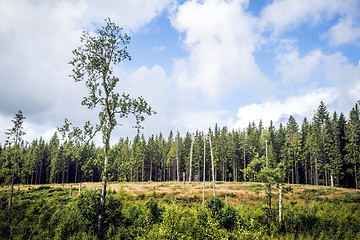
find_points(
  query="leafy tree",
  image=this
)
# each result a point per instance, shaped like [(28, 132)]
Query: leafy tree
[(93, 63)]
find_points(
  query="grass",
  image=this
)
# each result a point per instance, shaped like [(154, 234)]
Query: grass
[(236, 193)]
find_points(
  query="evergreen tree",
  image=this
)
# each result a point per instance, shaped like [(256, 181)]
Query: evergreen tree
[(353, 142)]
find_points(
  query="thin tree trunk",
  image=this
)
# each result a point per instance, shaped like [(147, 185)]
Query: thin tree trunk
[(142, 170), (316, 173), (296, 172), (234, 170), (150, 169), (212, 166), (223, 170), (11, 192), (76, 170), (244, 164), (191, 153), (177, 160), (70, 191), (204, 174), (292, 173), (356, 182), (267, 196), (306, 172), (270, 201), (311, 174), (326, 178), (307, 205), (332, 180), (169, 169), (103, 190), (280, 204), (184, 178)]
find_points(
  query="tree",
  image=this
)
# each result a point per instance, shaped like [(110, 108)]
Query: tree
[(353, 141), (93, 63), (14, 137)]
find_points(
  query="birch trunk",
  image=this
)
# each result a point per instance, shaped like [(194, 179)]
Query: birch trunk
[(316, 173), (191, 153), (212, 166), (280, 204), (103, 189), (177, 160), (307, 205), (204, 174), (244, 164)]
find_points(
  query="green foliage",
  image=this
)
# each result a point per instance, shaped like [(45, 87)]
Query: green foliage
[(214, 205), (43, 213)]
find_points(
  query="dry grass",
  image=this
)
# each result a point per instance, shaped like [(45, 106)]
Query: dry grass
[(237, 193)]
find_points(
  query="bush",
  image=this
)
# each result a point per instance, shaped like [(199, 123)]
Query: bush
[(214, 205), (229, 217)]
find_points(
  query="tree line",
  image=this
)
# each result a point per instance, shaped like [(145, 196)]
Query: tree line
[(324, 151)]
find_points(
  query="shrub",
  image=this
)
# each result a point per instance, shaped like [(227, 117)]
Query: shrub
[(229, 217), (214, 205)]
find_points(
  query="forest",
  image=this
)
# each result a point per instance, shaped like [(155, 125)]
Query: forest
[(323, 151)]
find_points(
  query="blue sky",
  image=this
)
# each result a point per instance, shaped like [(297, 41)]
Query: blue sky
[(196, 62)]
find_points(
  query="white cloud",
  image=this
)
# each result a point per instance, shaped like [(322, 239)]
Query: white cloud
[(201, 120), (129, 14), (345, 31), (279, 112), (293, 68), (283, 15), (36, 43), (220, 38)]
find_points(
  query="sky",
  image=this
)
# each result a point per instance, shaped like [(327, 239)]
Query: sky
[(197, 63)]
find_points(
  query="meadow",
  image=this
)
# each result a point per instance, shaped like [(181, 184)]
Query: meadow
[(172, 210)]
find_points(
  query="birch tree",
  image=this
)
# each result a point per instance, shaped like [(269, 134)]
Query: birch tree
[(93, 64)]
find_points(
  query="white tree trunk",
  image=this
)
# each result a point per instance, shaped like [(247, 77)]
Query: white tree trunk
[(307, 205), (280, 204), (191, 152), (212, 166), (204, 174), (177, 160)]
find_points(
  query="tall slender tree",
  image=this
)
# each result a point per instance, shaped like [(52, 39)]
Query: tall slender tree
[(353, 141), (14, 135), (93, 63)]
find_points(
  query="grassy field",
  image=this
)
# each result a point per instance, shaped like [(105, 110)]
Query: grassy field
[(172, 210), (236, 193)]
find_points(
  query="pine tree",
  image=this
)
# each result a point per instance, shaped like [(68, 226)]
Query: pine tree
[(353, 142)]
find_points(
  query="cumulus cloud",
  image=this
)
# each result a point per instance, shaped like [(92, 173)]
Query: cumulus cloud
[(36, 41), (220, 37), (284, 15), (293, 68), (280, 111), (345, 31)]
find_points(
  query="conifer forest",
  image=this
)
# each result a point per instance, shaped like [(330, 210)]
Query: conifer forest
[(322, 151)]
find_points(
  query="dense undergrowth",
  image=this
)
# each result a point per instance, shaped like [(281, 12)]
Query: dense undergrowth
[(50, 213)]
